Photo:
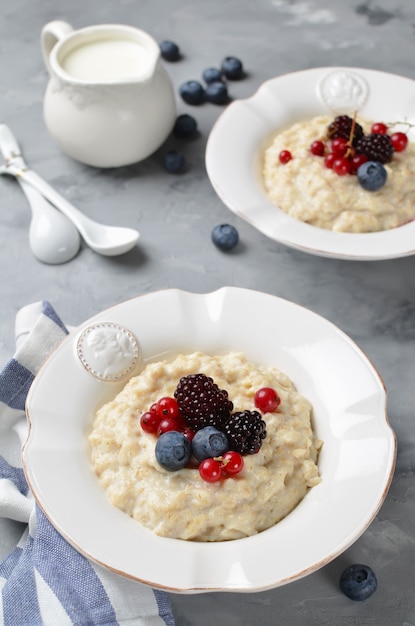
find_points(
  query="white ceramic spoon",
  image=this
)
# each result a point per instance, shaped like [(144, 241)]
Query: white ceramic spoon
[(105, 240), (53, 238)]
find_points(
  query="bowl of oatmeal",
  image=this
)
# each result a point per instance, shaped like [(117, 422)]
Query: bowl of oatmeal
[(302, 203), (181, 504), (327, 459)]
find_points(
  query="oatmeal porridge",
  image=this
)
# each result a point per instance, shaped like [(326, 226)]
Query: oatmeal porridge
[(308, 191), (180, 504)]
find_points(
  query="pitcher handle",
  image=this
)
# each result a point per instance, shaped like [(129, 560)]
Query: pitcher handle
[(51, 34)]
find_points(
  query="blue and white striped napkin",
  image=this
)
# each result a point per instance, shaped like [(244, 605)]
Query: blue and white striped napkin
[(44, 581)]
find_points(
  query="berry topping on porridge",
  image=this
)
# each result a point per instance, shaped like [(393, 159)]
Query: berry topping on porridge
[(206, 448), (314, 170)]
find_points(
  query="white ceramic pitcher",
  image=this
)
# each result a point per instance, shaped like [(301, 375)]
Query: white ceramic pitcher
[(109, 101)]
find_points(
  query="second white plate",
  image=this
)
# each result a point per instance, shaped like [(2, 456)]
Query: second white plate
[(234, 155)]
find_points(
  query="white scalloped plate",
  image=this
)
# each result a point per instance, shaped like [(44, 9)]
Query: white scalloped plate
[(236, 143), (348, 396)]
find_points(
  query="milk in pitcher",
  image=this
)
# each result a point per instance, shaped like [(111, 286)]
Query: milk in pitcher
[(106, 60)]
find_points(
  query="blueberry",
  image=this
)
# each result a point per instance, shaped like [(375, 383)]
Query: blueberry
[(185, 126), (192, 92), (372, 175), (225, 236), (173, 450), (209, 442), (217, 92), (358, 582), (211, 75), (170, 51), (232, 68), (173, 162)]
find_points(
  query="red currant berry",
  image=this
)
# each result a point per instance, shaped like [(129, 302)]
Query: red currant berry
[(232, 463), (285, 156), (267, 400), (341, 166), (399, 141), (339, 146), (210, 470), (378, 128), (149, 422), (189, 433), (356, 162), (170, 423), (317, 148), (167, 407), (329, 160)]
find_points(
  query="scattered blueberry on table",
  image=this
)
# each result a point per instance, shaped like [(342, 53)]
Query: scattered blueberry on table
[(173, 162), (192, 92), (225, 237), (217, 92), (358, 582), (232, 68), (372, 175), (170, 51), (211, 75), (185, 126)]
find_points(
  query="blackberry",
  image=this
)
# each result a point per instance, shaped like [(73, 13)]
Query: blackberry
[(202, 403), (245, 431), (375, 147), (342, 127)]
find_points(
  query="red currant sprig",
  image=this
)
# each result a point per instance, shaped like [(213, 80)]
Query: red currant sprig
[(267, 400), (210, 470), (213, 469), (340, 146), (285, 156), (232, 463), (170, 423), (399, 141), (356, 161), (379, 128), (149, 422), (341, 165), (162, 416), (318, 148), (167, 407)]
